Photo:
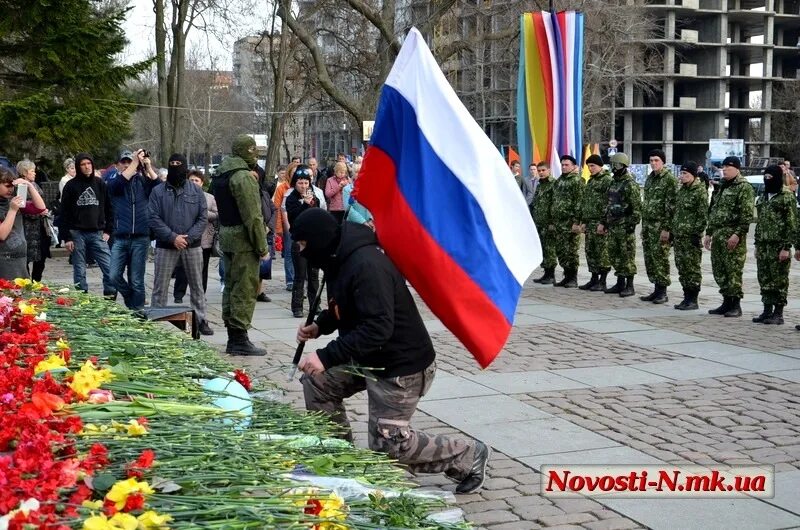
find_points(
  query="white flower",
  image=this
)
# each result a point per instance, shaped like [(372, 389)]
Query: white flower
[(42, 316)]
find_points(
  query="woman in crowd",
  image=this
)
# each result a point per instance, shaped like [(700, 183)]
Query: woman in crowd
[(283, 189), (69, 174), (13, 248), (334, 189), (358, 213), (34, 222), (301, 198)]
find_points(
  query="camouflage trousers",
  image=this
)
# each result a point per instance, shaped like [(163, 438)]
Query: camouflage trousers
[(727, 265), (567, 246), (392, 402), (547, 239), (656, 255), (688, 259), (622, 251), (596, 248), (773, 275), (241, 288)]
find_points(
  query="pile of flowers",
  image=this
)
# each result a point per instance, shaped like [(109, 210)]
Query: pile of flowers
[(103, 425)]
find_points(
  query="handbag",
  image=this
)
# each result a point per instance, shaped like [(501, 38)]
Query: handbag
[(215, 250)]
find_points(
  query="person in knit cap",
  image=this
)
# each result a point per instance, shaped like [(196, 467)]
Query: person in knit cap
[(87, 222), (243, 241), (178, 218), (688, 225), (593, 212)]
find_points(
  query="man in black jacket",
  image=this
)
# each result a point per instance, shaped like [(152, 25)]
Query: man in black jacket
[(380, 328)]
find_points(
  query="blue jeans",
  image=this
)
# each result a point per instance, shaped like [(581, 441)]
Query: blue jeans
[(288, 265), (130, 253), (91, 242)]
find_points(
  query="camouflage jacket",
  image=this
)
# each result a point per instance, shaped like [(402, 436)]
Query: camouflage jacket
[(731, 208), (691, 209), (542, 206), (595, 198), (777, 219), (659, 199), (624, 209), (567, 198)]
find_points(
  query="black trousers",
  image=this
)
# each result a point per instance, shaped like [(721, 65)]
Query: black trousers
[(303, 274)]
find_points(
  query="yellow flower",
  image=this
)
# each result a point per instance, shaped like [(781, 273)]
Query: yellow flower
[(22, 282), (51, 363), (150, 520), (27, 309), (90, 429), (62, 344), (121, 489), (92, 505), (325, 507), (97, 522), (125, 521), (134, 428), (37, 286), (89, 378)]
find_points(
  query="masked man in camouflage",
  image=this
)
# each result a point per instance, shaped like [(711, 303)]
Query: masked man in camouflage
[(726, 235), (775, 233), (542, 211), (688, 225), (657, 211), (593, 212), (242, 239), (567, 198), (623, 213)]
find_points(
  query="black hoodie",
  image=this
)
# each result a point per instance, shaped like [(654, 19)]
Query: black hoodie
[(378, 321), (85, 203)]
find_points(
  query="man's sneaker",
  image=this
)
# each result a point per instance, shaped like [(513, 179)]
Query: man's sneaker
[(205, 329), (477, 474), (179, 300), (297, 314), (289, 286), (262, 297)]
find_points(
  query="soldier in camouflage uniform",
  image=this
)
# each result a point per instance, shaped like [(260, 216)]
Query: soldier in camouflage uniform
[(688, 225), (623, 213), (567, 198), (593, 212), (726, 235), (657, 211), (242, 239), (775, 233), (542, 211), (379, 327)]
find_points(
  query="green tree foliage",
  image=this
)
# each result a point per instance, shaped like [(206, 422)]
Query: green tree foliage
[(61, 88)]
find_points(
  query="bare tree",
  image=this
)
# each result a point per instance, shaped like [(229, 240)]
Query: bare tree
[(785, 128)]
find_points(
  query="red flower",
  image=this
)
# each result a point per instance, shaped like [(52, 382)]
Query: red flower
[(313, 507), (242, 378), (145, 461), (64, 301), (135, 501), (109, 507), (142, 421)]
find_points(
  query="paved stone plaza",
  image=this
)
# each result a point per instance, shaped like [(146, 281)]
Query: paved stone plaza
[(589, 378)]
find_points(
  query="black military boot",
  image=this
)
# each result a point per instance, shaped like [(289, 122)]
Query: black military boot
[(239, 344), (686, 295), (691, 301), (661, 295), (765, 314), (734, 310), (616, 289), (628, 290), (650, 297), (546, 277), (722, 309), (777, 316), (571, 278), (588, 285), (600, 285), (549, 276), (563, 281)]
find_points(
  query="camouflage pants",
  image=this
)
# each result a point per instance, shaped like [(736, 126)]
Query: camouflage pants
[(727, 265), (688, 259), (241, 288), (567, 245), (622, 251), (656, 256), (392, 402), (547, 239), (596, 248), (773, 275)]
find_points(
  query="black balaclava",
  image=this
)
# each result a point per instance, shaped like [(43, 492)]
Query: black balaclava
[(177, 170), (80, 157), (321, 233), (773, 180)]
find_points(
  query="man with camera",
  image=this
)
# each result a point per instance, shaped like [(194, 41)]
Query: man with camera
[(129, 190)]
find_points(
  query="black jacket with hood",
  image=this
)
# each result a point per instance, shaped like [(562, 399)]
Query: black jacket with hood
[(85, 203), (378, 321)]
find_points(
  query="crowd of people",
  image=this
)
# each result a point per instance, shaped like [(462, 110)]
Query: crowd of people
[(685, 215)]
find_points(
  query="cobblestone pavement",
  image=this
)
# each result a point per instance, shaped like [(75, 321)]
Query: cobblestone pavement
[(588, 378)]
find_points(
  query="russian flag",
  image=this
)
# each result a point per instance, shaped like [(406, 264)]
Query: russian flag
[(447, 209)]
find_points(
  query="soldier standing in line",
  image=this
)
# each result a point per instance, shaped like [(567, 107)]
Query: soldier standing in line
[(688, 225), (657, 211), (775, 231), (567, 196), (726, 235), (542, 211), (623, 213), (593, 211)]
